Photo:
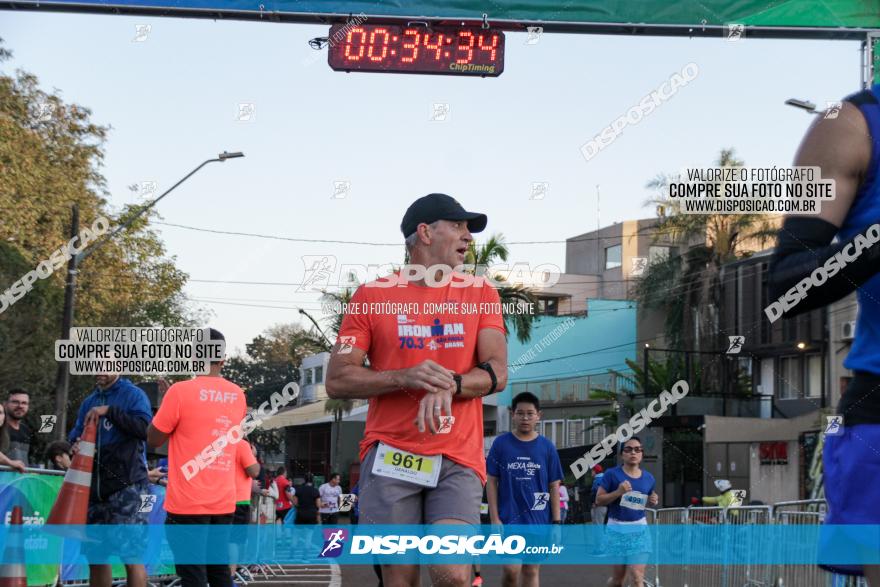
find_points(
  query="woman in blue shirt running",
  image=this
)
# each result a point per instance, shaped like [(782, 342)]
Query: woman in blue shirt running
[(627, 490)]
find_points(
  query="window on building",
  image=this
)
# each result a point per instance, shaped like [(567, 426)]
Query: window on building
[(489, 428), (790, 379), (547, 392), (813, 387), (319, 374), (548, 306), (310, 376), (613, 257), (656, 254), (597, 431), (575, 432), (553, 429)]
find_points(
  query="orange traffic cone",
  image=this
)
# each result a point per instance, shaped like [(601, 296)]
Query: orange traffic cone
[(72, 505), (14, 574)]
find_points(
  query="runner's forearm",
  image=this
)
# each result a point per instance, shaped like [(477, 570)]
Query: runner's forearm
[(477, 382), (603, 499), (803, 247), (357, 382)]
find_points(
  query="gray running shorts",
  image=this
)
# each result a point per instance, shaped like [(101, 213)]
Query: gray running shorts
[(391, 501)]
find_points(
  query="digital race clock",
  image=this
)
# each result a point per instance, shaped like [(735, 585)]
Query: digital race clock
[(416, 49)]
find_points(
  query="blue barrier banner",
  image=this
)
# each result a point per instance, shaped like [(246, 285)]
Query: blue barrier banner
[(707, 544)]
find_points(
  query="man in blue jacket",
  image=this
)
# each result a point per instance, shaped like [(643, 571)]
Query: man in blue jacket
[(119, 478)]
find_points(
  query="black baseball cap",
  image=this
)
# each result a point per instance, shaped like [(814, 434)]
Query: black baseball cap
[(435, 207)]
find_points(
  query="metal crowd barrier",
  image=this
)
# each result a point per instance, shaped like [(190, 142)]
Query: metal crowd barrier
[(652, 570), (749, 574), (801, 513), (267, 530), (712, 536), (671, 574)]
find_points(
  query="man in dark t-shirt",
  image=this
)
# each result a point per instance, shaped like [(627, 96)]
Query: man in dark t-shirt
[(17, 406), (307, 503)]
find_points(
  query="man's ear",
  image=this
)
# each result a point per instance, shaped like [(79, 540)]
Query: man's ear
[(422, 232)]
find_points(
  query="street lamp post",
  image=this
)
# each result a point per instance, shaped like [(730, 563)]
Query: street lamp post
[(62, 380), (309, 316), (806, 105)]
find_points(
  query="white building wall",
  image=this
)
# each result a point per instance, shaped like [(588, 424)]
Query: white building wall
[(774, 483)]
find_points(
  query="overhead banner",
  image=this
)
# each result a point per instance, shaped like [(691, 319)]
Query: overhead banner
[(832, 17)]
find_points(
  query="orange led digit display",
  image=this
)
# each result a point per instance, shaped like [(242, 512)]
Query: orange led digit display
[(383, 42), (469, 48), (472, 51), (413, 45)]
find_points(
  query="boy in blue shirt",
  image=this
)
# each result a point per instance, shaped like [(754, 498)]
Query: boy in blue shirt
[(522, 487), (627, 490)]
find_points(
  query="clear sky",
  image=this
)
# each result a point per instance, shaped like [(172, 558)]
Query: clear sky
[(173, 101)]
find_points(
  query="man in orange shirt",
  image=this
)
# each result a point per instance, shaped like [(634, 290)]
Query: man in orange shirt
[(194, 418), (436, 345)]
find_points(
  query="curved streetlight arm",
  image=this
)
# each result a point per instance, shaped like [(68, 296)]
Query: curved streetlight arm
[(309, 316), (221, 157)]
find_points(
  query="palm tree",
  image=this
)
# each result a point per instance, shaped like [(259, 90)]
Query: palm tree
[(483, 256), (339, 408), (691, 280), (661, 375), (332, 304)]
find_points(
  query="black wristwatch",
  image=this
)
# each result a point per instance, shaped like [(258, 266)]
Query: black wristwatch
[(457, 378), (556, 522), (487, 367)]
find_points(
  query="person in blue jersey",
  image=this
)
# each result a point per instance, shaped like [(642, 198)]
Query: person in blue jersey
[(821, 258), (121, 412), (627, 490), (522, 486)]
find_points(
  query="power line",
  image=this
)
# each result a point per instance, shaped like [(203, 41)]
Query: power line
[(636, 343), (395, 244)]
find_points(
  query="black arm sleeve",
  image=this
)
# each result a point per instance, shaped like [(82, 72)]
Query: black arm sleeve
[(131, 425), (803, 246)]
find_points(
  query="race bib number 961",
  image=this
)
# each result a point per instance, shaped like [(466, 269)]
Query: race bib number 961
[(406, 466)]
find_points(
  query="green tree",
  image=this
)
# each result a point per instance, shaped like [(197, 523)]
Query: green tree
[(492, 251), (51, 155), (631, 384), (332, 304), (270, 362)]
